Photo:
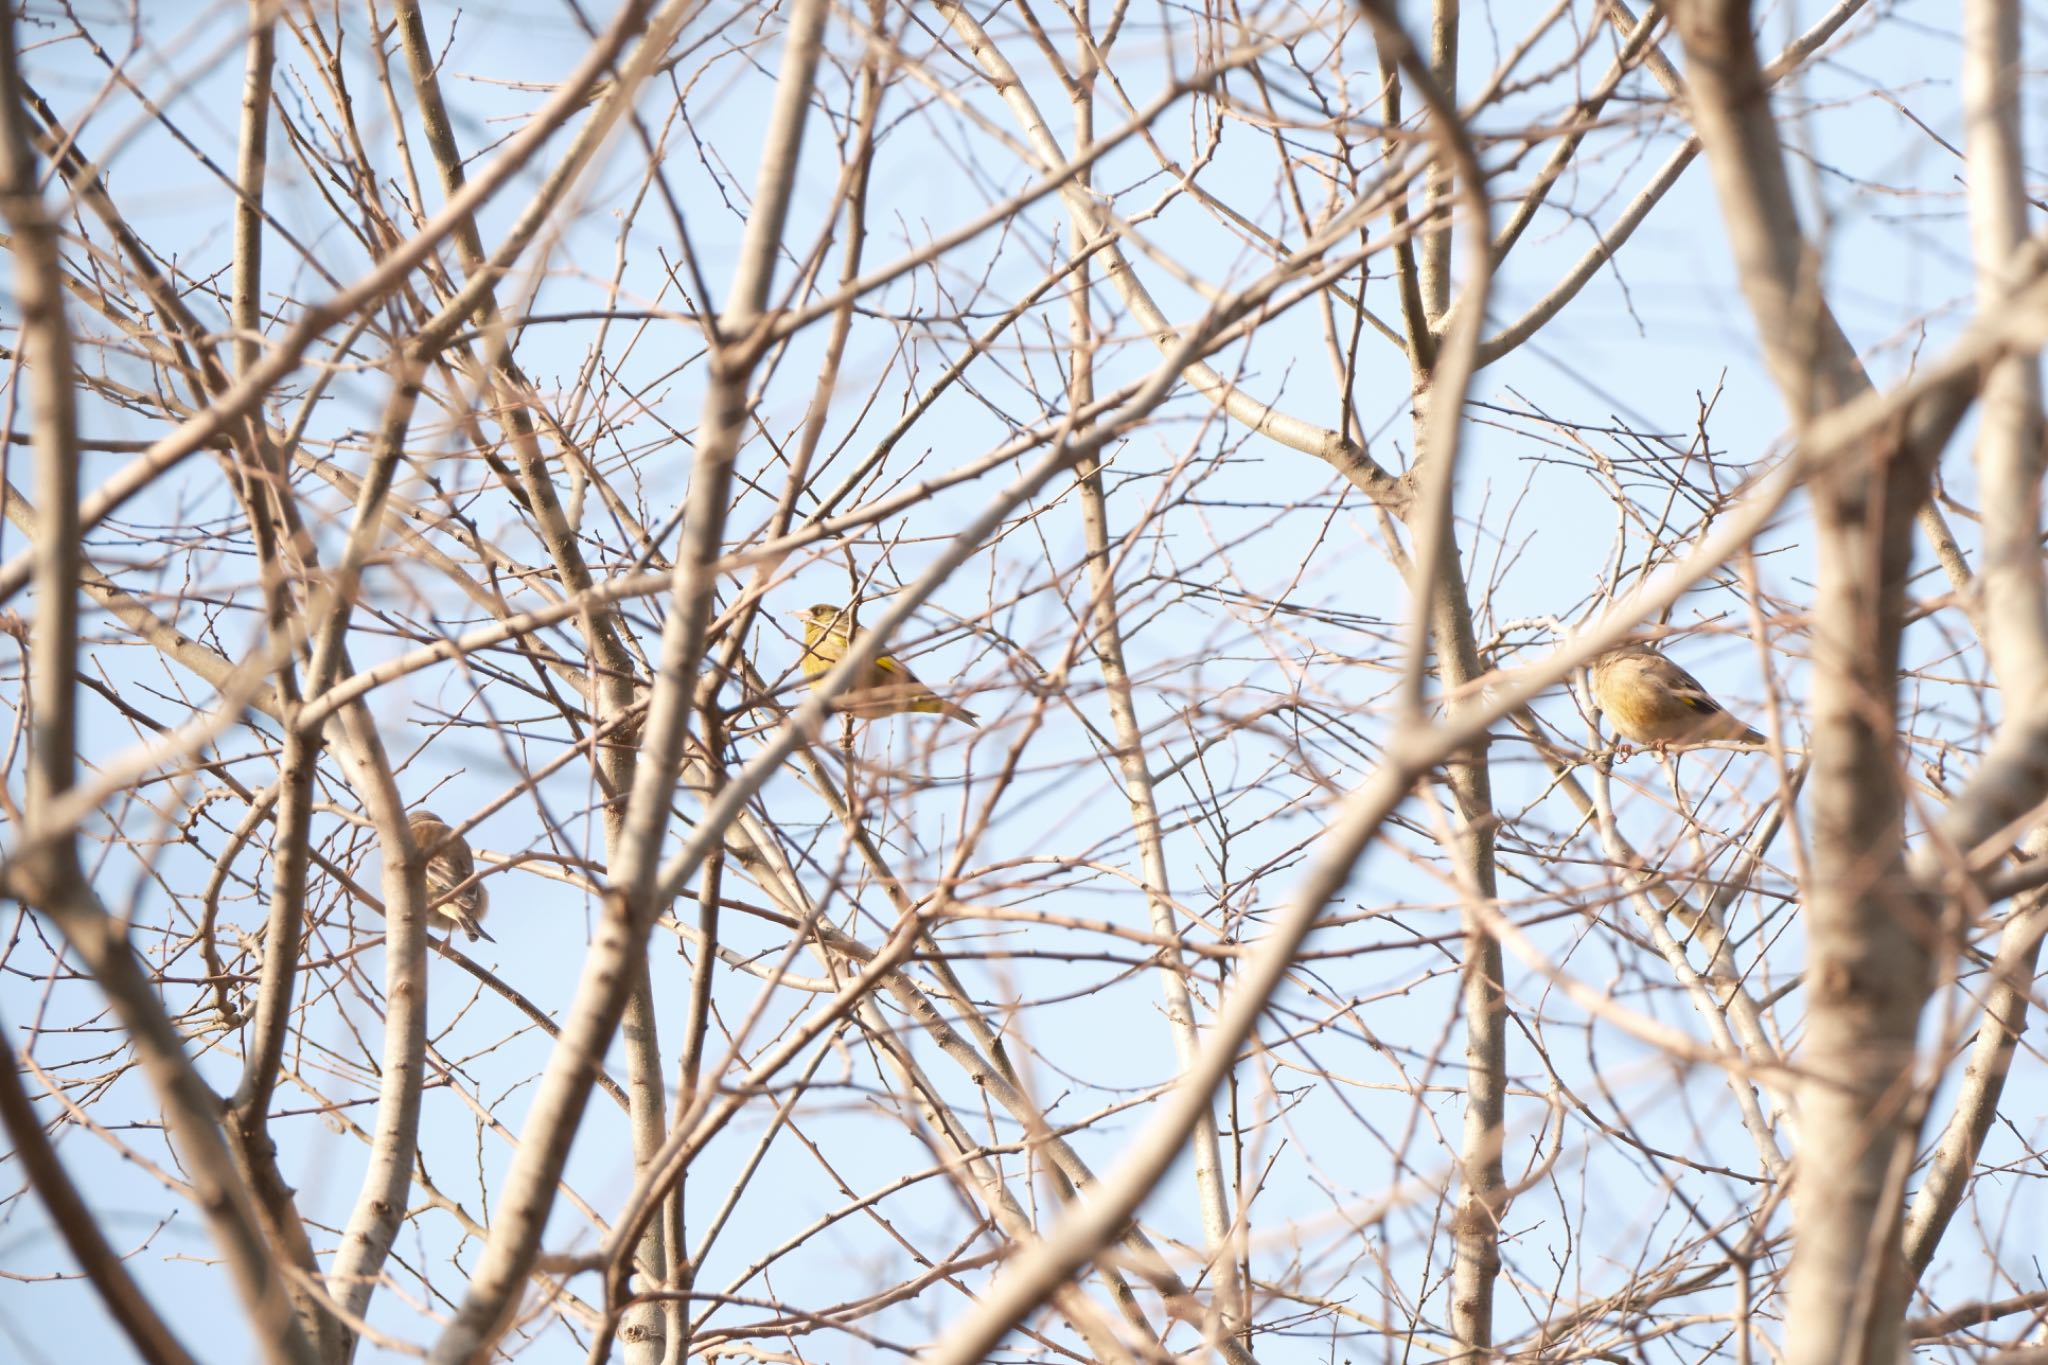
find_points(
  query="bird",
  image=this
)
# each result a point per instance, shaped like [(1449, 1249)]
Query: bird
[(887, 688), (449, 865), (1651, 700)]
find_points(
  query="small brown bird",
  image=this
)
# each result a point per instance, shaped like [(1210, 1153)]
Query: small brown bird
[(888, 689), (1651, 700), (449, 865)]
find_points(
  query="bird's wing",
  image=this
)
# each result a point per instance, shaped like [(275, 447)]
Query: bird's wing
[(896, 671), (1687, 690)]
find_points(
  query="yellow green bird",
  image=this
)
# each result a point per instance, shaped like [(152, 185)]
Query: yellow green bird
[(1651, 700), (449, 864), (888, 688)]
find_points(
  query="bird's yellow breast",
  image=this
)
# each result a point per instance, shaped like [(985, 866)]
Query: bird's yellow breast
[(823, 647)]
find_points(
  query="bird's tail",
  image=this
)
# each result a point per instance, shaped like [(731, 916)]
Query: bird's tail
[(1735, 731), (469, 925)]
